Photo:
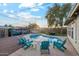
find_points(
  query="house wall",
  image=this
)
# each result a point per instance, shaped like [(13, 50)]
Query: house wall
[(73, 33)]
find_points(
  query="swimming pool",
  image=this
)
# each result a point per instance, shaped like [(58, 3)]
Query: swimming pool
[(51, 39)]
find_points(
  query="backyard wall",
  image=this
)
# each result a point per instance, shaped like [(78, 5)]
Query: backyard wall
[(2, 33), (7, 32), (56, 31)]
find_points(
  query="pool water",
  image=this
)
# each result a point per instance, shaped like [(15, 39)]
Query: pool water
[(34, 36), (50, 39)]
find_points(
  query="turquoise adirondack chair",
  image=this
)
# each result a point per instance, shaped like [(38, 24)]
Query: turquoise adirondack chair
[(22, 41), (60, 45), (28, 44), (25, 43), (44, 46)]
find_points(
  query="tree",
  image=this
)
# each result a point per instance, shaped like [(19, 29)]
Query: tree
[(56, 13), (6, 25), (10, 26), (65, 8), (33, 26), (53, 14)]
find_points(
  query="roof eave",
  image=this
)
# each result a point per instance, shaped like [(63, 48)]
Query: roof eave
[(71, 15)]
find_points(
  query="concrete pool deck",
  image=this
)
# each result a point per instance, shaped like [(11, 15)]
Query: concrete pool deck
[(53, 51), (9, 47)]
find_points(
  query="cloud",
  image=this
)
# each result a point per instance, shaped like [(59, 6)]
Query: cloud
[(30, 5), (4, 21), (22, 14), (11, 16), (27, 15), (4, 4), (8, 14), (35, 9), (12, 11), (33, 6), (5, 11), (28, 18), (20, 24), (24, 19)]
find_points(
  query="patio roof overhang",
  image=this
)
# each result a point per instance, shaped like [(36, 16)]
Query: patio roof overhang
[(73, 15)]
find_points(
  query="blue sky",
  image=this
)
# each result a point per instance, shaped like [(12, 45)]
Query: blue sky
[(21, 14)]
